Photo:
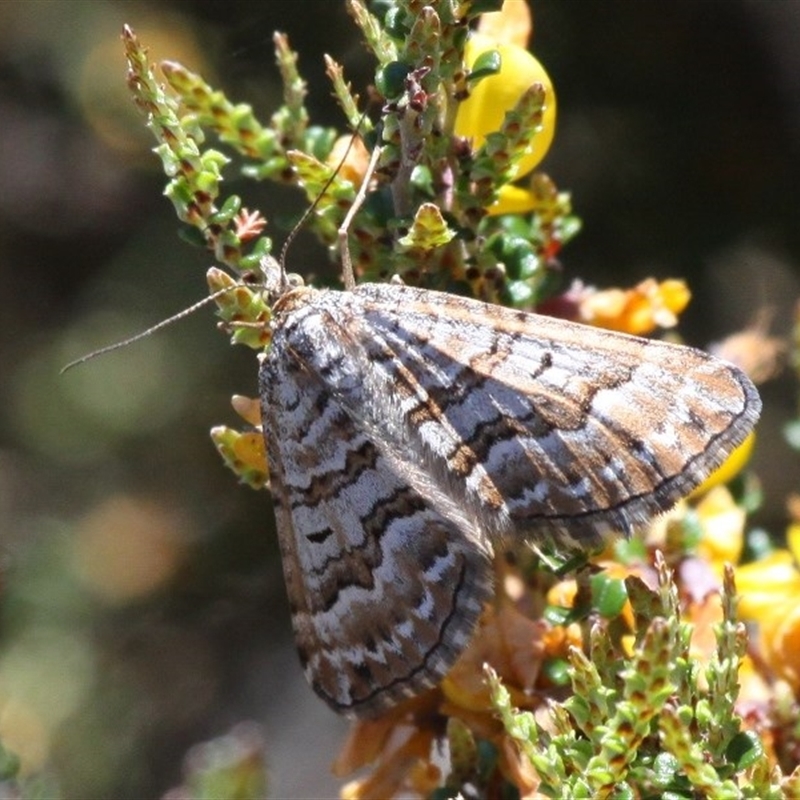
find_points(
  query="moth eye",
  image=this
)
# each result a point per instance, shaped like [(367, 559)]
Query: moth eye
[(294, 280)]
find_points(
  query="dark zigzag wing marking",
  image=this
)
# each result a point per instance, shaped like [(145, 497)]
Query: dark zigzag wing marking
[(385, 589)]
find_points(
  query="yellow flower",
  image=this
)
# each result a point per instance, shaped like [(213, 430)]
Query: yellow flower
[(780, 636), (483, 111), (767, 584), (508, 32), (769, 591), (244, 452), (722, 523), (638, 310)]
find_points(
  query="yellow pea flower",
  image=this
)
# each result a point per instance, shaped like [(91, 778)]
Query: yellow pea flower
[(722, 523), (766, 585), (483, 111), (769, 595)]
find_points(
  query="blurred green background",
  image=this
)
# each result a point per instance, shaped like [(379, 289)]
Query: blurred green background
[(142, 603)]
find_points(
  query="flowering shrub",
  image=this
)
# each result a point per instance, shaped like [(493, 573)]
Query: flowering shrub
[(627, 674)]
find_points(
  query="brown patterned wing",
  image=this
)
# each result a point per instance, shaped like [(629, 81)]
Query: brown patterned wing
[(386, 577), (540, 425)]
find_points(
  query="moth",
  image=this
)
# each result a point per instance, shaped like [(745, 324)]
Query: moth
[(411, 432)]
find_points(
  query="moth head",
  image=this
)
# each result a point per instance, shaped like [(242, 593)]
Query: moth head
[(277, 281)]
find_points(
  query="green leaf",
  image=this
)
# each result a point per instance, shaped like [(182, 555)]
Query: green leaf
[(192, 236), (665, 768), (390, 80), (230, 208), (557, 671), (486, 64), (745, 749), (608, 594)]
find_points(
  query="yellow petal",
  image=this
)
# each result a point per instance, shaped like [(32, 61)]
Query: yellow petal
[(793, 540), (779, 638), (722, 523), (730, 467), (483, 111), (511, 25), (765, 585), (639, 310), (513, 200)]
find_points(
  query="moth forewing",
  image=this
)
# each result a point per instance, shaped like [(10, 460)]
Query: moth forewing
[(559, 427), (385, 576)]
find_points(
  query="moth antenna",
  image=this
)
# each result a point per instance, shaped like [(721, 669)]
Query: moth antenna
[(157, 327), (348, 276), (347, 266)]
